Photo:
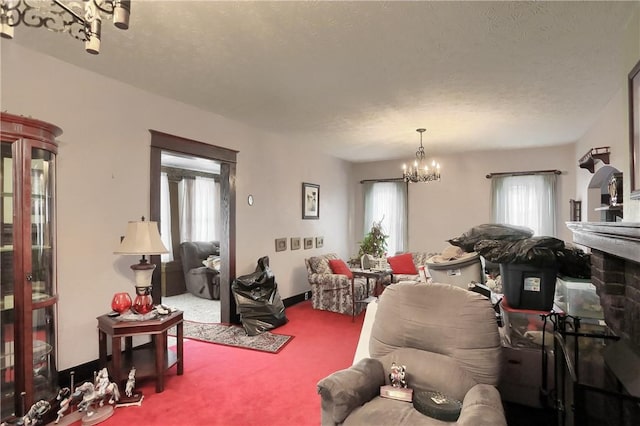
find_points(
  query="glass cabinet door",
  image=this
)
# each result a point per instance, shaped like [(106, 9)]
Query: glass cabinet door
[(42, 273)]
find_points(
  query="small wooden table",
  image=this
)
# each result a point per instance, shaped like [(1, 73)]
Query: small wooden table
[(149, 362), (367, 273)]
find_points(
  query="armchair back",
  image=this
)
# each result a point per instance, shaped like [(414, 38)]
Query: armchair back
[(440, 319), (200, 280)]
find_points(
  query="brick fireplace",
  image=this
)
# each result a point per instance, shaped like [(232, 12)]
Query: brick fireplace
[(615, 272)]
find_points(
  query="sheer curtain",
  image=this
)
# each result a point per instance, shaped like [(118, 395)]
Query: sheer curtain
[(528, 200), (165, 218), (387, 201), (199, 209)]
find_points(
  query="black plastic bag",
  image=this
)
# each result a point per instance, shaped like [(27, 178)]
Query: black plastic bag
[(259, 304), (573, 262), (536, 251), (490, 231)]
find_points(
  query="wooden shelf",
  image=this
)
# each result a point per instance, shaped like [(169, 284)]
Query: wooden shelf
[(589, 159), (617, 207), (144, 359)]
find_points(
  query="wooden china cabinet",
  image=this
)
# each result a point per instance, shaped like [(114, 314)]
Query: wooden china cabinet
[(28, 294)]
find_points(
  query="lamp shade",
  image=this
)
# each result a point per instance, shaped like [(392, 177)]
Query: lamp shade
[(141, 238)]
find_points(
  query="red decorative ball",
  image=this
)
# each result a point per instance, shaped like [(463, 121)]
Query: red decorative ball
[(121, 302)]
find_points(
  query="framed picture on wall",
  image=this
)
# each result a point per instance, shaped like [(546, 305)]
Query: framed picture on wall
[(634, 131), (310, 201), (319, 242), (308, 243), (295, 243), (281, 244)]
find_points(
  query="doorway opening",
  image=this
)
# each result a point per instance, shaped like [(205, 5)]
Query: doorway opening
[(219, 164), (600, 206), (190, 228)]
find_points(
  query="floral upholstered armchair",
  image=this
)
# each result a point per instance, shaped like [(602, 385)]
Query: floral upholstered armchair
[(332, 292)]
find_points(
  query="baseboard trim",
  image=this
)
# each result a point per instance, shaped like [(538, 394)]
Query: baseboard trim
[(81, 373), (290, 301), (84, 372)]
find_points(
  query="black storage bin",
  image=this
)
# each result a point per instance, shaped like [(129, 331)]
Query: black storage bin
[(529, 287)]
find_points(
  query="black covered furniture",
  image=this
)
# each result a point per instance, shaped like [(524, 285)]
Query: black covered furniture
[(199, 279)]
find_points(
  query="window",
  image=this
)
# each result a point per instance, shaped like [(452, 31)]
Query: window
[(387, 201), (528, 200), (199, 209)]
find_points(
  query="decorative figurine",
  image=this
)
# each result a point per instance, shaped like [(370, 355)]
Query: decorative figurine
[(131, 396), (66, 399), (131, 382), (93, 396), (397, 377), (35, 413), (398, 389)]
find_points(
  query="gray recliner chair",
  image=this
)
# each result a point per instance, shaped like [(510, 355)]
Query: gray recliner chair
[(200, 280), (448, 340)]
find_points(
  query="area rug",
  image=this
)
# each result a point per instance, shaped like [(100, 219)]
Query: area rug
[(233, 335)]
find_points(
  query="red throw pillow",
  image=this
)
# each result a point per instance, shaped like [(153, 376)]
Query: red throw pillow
[(338, 266), (402, 264)]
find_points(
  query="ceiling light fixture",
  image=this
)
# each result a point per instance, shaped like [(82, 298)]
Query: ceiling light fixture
[(81, 19), (419, 171)]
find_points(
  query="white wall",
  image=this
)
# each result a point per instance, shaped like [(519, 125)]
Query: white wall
[(439, 211), (103, 181), (612, 129)]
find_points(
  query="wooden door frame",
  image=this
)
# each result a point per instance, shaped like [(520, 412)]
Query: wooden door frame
[(227, 159)]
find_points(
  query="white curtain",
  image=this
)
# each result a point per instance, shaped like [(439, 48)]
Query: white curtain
[(387, 201), (199, 201), (528, 200), (165, 218)]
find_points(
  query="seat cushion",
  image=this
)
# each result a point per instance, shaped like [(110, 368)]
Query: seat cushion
[(384, 411), (338, 266), (402, 264)]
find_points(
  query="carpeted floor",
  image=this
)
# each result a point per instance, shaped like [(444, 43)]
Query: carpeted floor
[(231, 335), (195, 308), (227, 386)]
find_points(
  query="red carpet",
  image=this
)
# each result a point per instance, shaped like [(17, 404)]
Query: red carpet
[(238, 387)]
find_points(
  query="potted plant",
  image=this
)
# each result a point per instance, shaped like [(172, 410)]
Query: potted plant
[(375, 242)]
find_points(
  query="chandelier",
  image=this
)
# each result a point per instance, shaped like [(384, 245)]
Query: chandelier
[(419, 171), (82, 19)]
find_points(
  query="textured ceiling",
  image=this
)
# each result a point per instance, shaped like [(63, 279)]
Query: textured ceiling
[(357, 78)]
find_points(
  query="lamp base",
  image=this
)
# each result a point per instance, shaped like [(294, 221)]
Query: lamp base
[(143, 272), (143, 303)]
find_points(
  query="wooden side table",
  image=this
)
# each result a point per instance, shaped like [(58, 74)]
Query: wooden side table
[(366, 273), (149, 362)]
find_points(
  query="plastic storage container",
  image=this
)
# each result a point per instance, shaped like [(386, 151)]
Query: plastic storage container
[(578, 297), (459, 272), (529, 287), (522, 379), (522, 328)]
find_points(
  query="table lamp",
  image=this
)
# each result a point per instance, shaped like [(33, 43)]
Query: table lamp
[(142, 238)]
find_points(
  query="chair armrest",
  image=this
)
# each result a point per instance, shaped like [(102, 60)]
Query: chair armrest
[(333, 281), (482, 406), (201, 270), (344, 390)]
